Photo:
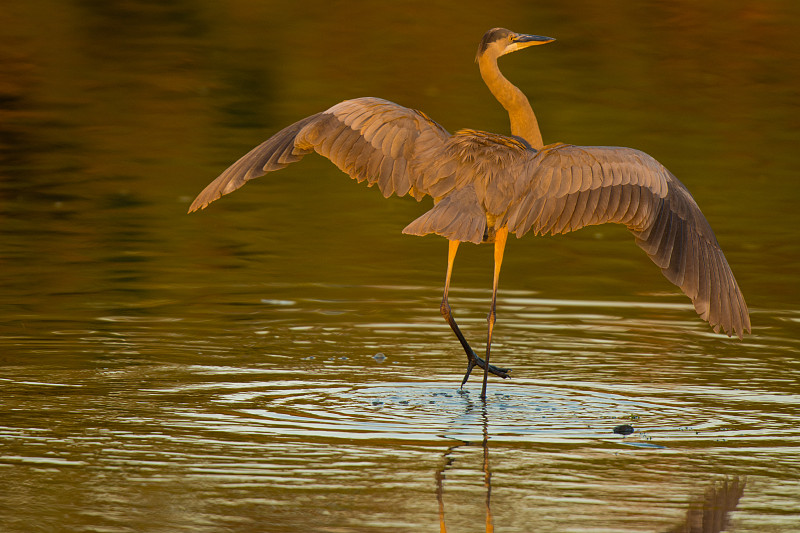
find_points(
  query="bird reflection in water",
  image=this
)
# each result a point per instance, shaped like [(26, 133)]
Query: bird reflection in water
[(486, 185), (487, 473), (707, 513), (710, 513)]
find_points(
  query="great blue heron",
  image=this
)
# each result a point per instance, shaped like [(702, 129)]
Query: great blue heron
[(485, 185)]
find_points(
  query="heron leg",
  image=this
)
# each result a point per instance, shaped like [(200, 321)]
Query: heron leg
[(472, 358), (499, 248)]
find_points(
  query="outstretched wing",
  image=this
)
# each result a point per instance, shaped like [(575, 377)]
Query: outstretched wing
[(563, 188), (368, 138)]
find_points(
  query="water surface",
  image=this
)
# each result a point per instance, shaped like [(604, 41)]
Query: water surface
[(278, 361)]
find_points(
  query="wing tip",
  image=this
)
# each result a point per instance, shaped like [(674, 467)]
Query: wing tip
[(196, 207), (201, 202), (731, 328)]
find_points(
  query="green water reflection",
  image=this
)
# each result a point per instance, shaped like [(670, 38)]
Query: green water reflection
[(217, 372)]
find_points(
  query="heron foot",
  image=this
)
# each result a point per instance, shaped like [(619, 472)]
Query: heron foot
[(474, 361)]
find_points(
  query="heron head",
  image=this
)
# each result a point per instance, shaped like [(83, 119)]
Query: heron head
[(500, 41)]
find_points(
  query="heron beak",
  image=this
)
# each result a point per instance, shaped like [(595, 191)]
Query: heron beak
[(522, 40)]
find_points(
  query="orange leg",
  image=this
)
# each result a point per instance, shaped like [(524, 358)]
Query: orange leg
[(472, 359), (499, 248)]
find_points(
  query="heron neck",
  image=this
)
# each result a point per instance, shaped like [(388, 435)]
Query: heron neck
[(523, 121)]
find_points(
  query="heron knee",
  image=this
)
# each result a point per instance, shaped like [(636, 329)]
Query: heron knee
[(445, 310)]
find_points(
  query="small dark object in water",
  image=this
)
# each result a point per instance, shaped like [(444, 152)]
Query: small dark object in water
[(624, 429)]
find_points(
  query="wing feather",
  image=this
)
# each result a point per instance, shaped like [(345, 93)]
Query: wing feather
[(373, 126), (346, 154), (568, 207), (340, 139), (563, 177), (373, 168), (603, 201), (399, 140), (400, 180), (332, 134), (634, 208), (592, 206), (385, 176), (357, 118), (624, 202), (547, 217)]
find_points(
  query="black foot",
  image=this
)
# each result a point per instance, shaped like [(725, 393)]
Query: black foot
[(474, 361)]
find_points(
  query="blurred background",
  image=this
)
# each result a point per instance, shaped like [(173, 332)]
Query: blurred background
[(278, 362)]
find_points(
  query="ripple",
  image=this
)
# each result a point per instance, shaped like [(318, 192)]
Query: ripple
[(426, 411)]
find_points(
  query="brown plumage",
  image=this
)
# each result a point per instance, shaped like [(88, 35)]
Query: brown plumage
[(485, 185)]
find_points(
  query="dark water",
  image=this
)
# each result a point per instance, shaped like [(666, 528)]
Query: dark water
[(221, 371)]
